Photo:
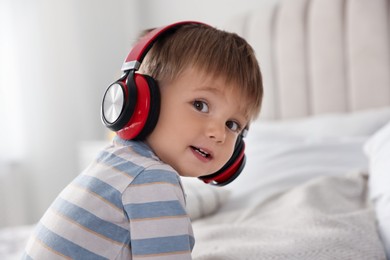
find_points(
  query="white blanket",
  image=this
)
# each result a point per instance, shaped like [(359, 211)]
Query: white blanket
[(324, 218)]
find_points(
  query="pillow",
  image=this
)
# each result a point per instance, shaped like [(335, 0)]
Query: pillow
[(203, 200), (283, 154), (360, 123), (377, 149)]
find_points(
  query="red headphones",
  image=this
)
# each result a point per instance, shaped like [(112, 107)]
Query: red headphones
[(131, 106)]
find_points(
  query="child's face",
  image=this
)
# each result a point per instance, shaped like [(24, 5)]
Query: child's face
[(198, 125)]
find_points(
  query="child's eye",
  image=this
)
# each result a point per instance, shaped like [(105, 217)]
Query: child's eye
[(234, 126), (201, 106)]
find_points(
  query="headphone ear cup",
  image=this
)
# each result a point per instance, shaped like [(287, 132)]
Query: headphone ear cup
[(147, 107), (154, 110), (118, 104), (232, 169)]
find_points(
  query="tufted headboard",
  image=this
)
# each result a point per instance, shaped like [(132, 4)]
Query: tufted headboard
[(320, 56)]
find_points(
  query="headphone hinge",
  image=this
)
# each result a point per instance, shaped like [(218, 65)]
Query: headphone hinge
[(131, 65)]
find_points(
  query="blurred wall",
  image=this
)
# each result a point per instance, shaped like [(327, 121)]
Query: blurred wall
[(66, 52), (215, 12)]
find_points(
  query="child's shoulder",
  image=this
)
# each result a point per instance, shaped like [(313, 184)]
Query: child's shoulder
[(136, 160)]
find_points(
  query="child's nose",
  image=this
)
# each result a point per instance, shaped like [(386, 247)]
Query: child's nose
[(216, 131)]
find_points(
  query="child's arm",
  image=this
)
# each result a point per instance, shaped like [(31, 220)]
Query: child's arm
[(159, 224)]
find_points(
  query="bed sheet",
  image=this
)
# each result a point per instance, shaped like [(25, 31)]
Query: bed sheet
[(13, 240), (324, 218), (292, 199)]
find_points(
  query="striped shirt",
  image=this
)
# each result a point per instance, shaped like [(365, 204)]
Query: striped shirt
[(126, 205)]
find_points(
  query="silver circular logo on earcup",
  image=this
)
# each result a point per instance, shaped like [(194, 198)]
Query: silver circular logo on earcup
[(113, 103)]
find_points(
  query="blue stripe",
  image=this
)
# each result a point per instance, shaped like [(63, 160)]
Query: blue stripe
[(161, 245), (192, 242), (157, 175), (64, 246), (143, 150), (155, 209), (119, 163), (92, 222), (100, 188)]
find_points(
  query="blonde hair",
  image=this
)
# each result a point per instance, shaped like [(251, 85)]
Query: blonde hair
[(213, 51)]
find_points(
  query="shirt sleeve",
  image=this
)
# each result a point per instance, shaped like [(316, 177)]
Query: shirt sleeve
[(159, 225)]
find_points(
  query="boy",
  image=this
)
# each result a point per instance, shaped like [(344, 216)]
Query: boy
[(129, 202)]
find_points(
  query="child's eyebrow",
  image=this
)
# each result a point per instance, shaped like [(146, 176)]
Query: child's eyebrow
[(213, 89), (210, 88)]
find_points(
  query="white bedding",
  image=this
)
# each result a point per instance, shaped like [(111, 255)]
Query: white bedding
[(377, 149), (325, 218), (283, 154), (303, 194), (13, 240)]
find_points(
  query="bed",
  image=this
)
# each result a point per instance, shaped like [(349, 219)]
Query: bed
[(305, 193), (316, 183), (316, 180)]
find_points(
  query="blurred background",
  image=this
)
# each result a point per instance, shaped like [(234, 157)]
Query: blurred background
[(56, 60)]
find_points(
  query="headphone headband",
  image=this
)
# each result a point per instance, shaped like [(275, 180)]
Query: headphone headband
[(138, 52)]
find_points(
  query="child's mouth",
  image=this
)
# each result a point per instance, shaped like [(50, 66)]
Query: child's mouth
[(202, 152)]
